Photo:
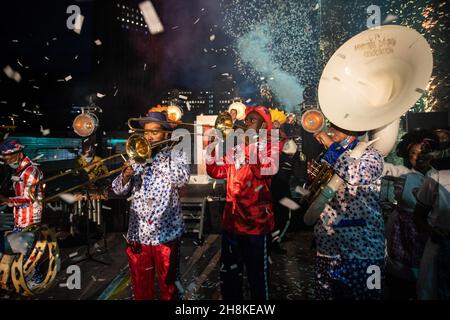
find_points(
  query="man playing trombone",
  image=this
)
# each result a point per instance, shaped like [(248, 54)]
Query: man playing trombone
[(156, 223)]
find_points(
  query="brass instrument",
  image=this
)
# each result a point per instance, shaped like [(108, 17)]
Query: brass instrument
[(223, 123), (319, 174), (368, 83)]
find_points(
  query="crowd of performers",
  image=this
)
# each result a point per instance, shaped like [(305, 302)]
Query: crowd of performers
[(410, 245)]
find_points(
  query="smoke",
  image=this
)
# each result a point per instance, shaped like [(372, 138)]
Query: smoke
[(254, 49)]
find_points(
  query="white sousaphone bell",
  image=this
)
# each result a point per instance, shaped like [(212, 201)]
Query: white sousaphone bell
[(373, 79)]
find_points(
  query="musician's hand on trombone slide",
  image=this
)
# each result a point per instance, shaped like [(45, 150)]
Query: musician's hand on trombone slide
[(127, 173)]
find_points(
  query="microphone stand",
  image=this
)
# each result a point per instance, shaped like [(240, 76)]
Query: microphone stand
[(88, 256)]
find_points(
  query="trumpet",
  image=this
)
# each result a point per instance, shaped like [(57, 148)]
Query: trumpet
[(223, 123)]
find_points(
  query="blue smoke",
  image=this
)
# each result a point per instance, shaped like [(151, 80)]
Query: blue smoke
[(254, 50)]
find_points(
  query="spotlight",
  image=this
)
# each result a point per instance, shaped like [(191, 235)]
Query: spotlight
[(85, 124)]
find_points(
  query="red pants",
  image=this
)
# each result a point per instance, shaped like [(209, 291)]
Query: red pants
[(145, 261)]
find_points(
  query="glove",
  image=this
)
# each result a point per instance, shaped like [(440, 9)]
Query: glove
[(290, 147)]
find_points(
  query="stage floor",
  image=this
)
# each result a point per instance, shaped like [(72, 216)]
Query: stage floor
[(291, 275)]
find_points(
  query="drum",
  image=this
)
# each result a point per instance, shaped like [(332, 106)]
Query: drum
[(19, 272)]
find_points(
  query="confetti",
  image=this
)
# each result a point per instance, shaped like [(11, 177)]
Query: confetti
[(259, 188), (45, 132), (20, 64), (182, 97), (79, 19), (36, 87), (151, 17), (175, 27), (46, 58), (100, 95), (68, 197), (188, 105), (302, 191), (98, 42), (212, 37), (288, 203), (234, 266), (197, 21), (73, 254), (106, 208), (69, 77), (213, 66), (205, 50), (390, 18), (10, 73), (93, 278), (248, 100), (37, 157)]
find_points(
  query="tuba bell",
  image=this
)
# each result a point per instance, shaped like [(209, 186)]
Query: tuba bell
[(369, 82)]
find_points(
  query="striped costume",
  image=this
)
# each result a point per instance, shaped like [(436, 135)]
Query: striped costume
[(27, 202)]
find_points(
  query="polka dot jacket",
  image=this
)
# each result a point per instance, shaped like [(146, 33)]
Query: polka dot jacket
[(155, 210), (351, 225)]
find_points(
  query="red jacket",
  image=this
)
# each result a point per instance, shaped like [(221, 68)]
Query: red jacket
[(248, 208)]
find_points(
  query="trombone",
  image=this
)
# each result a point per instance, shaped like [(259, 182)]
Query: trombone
[(138, 149)]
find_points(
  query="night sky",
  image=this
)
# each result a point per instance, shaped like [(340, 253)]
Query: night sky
[(131, 68)]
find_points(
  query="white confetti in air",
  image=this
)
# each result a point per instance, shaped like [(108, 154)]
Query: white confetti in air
[(68, 197), (213, 66), (37, 157), (104, 133), (69, 77), (258, 188), (225, 74), (234, 266), (288, 203), (115, 92), (248, 100), (93, 278), (45, 132), (106, 208), (145, 66), (390, 18), (6, 136), (175, 27), (47, 58), (212, 37), (12, 74), (151, 17), (179, 286), (79, 19), (99, 95), (197, 21), (76, 57), (205, 50), (73, 254), (55, 38), (302, 191), (20, 64), (4, 102), (182, 97), (270, 260), (98, 42), (188, 105), (63, 285), (16, 41), (24, 104), (36, 87)]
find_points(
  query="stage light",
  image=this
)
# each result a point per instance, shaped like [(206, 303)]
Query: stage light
[(85, 124)]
